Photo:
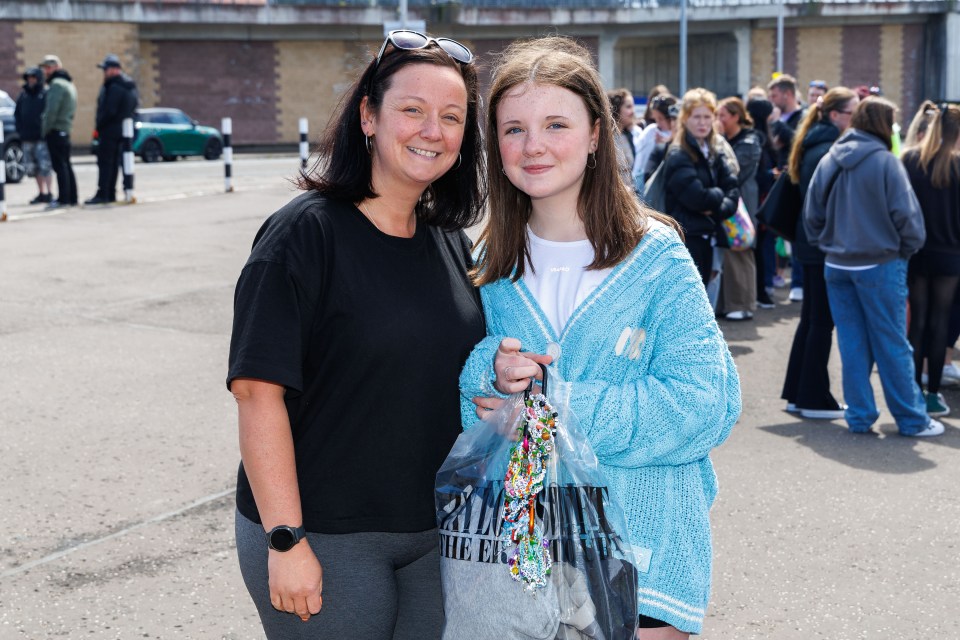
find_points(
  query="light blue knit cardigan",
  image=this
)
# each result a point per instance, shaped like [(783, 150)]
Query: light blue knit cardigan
[(654, 388)]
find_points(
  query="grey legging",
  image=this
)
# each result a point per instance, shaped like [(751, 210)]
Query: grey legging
[(376, 586)]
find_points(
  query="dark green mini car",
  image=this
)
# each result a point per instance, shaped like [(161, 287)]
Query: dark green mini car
[(166, 134)]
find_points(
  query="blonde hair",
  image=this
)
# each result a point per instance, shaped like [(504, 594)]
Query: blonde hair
[(613, 217), (692, 99), (938, 157), (834, 100), (919, 125)]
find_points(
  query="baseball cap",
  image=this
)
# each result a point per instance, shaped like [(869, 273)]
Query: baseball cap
[(51, 59), (110, 61)]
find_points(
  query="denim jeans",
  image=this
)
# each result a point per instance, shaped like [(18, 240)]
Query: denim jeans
[(870, 311)]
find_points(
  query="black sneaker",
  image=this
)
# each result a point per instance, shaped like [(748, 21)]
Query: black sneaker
[(96, 200), (764, 301), (42, 198)]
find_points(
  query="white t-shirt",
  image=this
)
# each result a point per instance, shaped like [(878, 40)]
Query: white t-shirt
[(557, 277)]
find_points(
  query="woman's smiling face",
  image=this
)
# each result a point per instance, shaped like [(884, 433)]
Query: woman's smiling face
[(419, 128)]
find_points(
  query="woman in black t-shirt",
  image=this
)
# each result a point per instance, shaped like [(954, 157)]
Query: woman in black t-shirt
[(353, 318)]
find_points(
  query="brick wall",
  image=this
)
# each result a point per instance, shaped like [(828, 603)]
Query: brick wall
[(148, 80), (818, 58), (11, 62), (216, 79), (311, 79), (81, 46), (888, 55)]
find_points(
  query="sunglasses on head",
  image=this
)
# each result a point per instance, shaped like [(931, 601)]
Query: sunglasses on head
[(818, 84), (409, 40)]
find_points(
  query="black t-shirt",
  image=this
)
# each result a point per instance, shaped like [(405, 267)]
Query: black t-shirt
[(368, 333)]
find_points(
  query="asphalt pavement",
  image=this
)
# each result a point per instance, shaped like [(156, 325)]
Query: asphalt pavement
[(118, 444)]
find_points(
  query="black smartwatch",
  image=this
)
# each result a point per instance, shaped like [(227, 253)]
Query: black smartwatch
[(283, 538)]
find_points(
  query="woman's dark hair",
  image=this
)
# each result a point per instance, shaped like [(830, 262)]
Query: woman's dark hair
[(658, 90), (617, 99), (837, 99), (735, 107), (343, 171), (875, 115), (662, 104), (613, 217)]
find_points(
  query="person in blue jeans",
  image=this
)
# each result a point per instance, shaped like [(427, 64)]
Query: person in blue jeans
[(863, 214)]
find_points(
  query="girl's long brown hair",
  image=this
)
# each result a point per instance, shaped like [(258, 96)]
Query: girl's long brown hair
[(613, 217), (938, 156), (876, 115), (834, 100)]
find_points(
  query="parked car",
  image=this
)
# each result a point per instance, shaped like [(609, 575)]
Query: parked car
[(12, 149), (162, 133)]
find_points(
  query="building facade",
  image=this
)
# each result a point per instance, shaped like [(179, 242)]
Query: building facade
[(267, 63)]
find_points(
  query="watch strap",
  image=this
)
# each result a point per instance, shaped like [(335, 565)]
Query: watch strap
[(297, 533)]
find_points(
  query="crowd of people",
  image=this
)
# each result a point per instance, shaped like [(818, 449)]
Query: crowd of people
[(877, 212), (44, 118), (369, 331)]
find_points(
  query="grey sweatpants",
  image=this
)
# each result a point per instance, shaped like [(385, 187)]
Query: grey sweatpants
[(376, 586)]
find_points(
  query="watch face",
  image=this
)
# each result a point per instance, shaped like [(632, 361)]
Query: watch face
[(282, 539)]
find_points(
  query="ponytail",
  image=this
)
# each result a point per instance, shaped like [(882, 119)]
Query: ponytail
[(938, 159)]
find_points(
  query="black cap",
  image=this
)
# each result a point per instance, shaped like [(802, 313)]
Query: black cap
[(110, 61)]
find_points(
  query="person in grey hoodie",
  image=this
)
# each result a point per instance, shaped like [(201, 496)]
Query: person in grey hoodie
[(861, 211)]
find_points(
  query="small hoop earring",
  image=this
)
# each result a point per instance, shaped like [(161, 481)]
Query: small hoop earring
[(459, 162), (366, 142), (594, 158)]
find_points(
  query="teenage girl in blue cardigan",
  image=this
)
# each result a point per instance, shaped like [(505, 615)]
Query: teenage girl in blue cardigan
[(576, 272)]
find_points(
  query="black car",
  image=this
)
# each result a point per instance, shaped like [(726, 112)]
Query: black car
[(12, 150)]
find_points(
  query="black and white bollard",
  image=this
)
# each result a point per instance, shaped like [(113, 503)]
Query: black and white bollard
[(304, 144), (226, 128), (128, 196), (3, 182)]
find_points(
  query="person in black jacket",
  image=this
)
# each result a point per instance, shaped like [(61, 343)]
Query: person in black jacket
[(764, 249), (28, 117), (934, 271), (701, 185), (117, 100), (807, 385)]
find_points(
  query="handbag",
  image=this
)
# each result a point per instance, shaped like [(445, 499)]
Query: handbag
[(780, 212), (654, 193), (532, 543), (739, 230)]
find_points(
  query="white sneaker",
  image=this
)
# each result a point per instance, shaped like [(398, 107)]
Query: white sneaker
[(792, 408), (739, 315), (796, 294), (935, 428), (823, 414), (951, 374)]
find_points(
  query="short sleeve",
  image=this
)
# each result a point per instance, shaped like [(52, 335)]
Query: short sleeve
[(268, 335)]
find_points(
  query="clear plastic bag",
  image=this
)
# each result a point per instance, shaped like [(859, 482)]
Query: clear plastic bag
[(578, 579)]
